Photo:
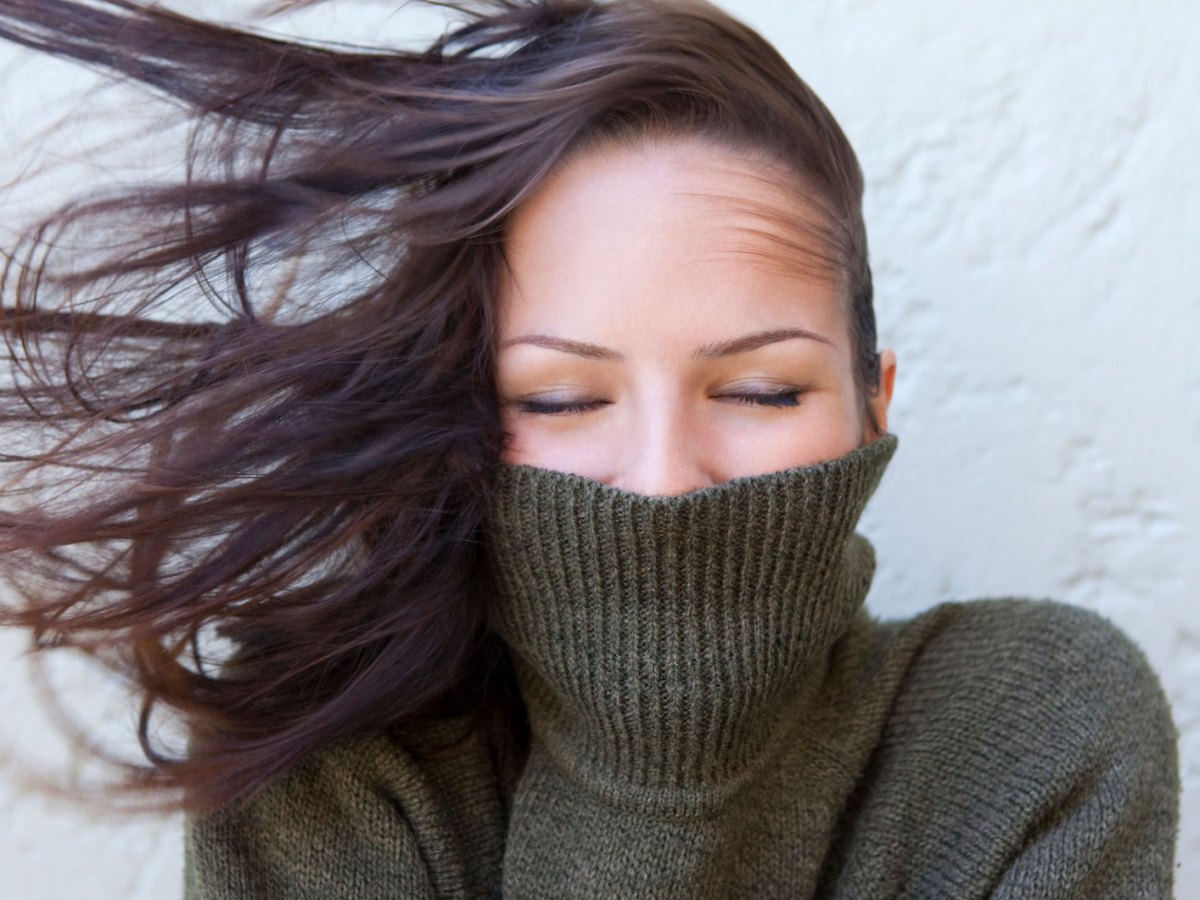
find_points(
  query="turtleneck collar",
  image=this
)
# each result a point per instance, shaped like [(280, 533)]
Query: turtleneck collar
[(663, 644)]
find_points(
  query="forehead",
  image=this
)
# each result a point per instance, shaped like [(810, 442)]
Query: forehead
[(726, 204)]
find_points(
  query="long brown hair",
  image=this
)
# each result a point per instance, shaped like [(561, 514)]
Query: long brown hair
[(249, 445)]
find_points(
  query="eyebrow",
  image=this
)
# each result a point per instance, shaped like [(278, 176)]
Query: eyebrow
[(713, 350), (754, 340)]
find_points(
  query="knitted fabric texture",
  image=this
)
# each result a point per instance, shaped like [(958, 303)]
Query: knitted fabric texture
[(712, 714), (660, 640)]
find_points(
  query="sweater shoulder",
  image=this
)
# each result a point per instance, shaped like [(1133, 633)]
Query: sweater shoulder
[(1037, 654), (1035, 732), (1023, 634), (365, 817), (1048, 681)]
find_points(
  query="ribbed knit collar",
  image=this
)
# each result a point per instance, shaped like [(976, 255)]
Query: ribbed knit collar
[(663, 644)]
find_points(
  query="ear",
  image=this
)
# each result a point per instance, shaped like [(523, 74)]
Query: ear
[(882, 398)]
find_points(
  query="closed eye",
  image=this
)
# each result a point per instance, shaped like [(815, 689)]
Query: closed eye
[(550, 408), (777, 398)]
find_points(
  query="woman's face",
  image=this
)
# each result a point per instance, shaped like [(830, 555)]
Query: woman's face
[(665, 325)]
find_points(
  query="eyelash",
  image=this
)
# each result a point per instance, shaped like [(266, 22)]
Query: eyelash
[(544, 408), (770, 399), (547, 408)]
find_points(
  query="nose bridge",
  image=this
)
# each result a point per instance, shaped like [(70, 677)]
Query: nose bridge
[(663, 455)]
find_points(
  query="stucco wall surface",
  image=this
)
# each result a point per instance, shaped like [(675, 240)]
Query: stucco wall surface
[(1034, 210)]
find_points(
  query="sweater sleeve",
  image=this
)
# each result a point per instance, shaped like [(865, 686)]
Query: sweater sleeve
[(1029, 754), (363, 820)]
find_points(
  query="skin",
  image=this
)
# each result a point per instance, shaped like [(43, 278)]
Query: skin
[(652, 254)]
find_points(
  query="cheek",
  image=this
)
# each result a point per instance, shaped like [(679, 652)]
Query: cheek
[(563, 443), (826, 428)]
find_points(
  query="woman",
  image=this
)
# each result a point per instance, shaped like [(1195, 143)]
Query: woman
[(492, 528)]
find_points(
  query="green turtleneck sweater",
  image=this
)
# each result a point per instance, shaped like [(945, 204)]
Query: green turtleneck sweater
[(713, 715)]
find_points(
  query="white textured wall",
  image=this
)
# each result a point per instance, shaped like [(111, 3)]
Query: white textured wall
[(1034, 209)]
